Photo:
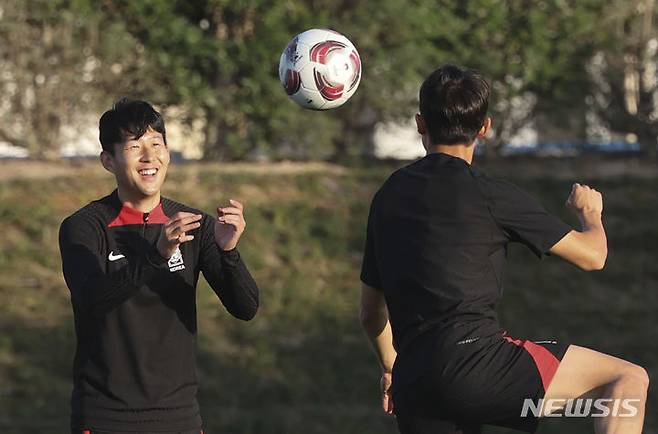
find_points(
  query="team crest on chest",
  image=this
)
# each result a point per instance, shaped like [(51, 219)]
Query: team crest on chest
[(176, 261)]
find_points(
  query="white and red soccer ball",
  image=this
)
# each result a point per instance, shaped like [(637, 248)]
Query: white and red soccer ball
[(320, 69)]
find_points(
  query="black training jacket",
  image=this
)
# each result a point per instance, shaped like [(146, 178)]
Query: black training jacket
[(135, 314)]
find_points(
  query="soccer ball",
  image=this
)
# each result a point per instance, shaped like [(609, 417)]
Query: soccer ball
[(320, 69)]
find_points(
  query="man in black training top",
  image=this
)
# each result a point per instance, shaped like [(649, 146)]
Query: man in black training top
[(435, 253), (131, 261)]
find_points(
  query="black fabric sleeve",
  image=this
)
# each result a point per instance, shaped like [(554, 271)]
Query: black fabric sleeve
[(523, 218), (369, 269), (80, 244), (227, 274)]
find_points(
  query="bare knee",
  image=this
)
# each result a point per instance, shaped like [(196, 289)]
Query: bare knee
[(639, 375), (634, 379)]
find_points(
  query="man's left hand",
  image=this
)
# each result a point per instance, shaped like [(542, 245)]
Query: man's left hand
[(385, 386), (229, 225)]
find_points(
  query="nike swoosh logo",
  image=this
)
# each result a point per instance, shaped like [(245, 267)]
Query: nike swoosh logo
[(113, 257)]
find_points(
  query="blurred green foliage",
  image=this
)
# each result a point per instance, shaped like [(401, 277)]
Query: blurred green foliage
[(303, 364), (216, 61)]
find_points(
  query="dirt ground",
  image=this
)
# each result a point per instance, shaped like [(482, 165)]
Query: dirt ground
[(583, 167), (32, 169)]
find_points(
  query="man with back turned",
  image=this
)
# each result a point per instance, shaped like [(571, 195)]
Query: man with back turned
[(436, 248)]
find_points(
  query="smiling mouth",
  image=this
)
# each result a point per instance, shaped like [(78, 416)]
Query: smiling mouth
[(147, 173)]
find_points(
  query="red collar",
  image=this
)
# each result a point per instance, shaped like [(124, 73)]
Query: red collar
[(132, 216)]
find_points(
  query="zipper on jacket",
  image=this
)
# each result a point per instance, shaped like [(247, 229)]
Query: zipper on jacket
[(145, 219)]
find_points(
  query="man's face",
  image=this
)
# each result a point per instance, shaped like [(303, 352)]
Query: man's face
[(140, 165)]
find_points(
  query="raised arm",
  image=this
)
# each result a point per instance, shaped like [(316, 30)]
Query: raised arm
[(222, 266), (587, 248)]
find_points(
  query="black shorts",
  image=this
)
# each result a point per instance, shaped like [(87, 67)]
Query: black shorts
[(484, 382)]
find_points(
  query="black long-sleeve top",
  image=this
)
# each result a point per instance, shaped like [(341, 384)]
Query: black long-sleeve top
[(135, 314)]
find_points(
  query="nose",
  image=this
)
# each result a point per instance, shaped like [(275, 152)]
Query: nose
[(148, 153)]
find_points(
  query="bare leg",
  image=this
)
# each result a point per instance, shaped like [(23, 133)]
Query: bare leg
[(585, 373)]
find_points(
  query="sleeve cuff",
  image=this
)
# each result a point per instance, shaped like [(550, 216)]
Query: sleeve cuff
[(365, 280), (230, 257), (559, 233)]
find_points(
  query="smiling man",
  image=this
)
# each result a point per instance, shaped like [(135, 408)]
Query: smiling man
[(131, 261)]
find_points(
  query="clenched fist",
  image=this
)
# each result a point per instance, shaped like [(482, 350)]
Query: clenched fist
[(584, 199)]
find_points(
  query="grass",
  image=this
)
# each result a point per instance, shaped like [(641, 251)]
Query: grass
[(303, 364)]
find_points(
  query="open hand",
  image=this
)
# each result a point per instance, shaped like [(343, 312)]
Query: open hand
[(174, 232), (229, 225)]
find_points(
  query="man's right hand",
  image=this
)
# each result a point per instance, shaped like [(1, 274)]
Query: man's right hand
[(584, 200), (173, 232)]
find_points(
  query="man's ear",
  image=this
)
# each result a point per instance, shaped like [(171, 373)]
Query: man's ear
[(107, 160), (485, 128), (421, 126)]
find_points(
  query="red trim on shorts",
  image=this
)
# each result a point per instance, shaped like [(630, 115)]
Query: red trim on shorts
[(545, 361)]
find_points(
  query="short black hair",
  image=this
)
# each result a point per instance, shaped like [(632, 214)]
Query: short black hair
[(128, 119), (454, 103)]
